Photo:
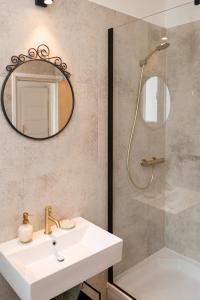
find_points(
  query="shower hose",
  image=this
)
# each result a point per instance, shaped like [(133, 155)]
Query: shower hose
[(131, 139)]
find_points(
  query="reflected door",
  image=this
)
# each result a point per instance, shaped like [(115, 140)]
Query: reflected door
[(33, 108)]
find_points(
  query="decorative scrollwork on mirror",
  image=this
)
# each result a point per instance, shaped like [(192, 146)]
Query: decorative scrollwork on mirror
[(37, 96), (42, 52)]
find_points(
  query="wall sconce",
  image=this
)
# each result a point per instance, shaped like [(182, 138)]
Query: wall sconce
[(43, 3)]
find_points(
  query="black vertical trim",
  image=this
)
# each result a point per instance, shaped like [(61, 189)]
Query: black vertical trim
[(110, 148), (110, 139), (110, 130)]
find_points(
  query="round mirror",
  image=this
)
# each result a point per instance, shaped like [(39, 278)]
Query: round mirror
[(37, 99), (155, 102)]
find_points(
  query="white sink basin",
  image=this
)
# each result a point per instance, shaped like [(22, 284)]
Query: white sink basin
[(34, 272)]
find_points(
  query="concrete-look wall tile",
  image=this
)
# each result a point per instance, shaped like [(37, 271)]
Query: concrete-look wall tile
[(68, 171), (182, 142)]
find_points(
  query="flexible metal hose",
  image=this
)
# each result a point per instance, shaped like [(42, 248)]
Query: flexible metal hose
[(130, 145)]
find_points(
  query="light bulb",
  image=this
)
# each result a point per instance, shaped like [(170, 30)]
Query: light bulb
[(164, 38), (48, 2)]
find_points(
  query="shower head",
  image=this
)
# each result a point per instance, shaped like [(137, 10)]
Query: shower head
[(161, 46)]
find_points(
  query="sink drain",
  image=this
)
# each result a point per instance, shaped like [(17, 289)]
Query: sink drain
[(57, 255)]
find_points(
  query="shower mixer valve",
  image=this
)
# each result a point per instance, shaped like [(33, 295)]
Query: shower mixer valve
[(151, 162)]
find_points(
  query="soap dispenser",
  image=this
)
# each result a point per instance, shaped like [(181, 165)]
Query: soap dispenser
[(25, 231)]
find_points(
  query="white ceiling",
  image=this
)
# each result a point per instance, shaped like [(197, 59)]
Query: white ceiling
[(136, 8), (185, 12)]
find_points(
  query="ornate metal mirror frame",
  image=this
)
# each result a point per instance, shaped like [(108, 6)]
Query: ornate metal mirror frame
[(41, 53)]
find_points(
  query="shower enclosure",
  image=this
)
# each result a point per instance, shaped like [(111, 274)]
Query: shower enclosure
[(154, 154)]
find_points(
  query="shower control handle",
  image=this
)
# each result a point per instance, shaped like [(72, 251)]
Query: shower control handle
[(151, 162)]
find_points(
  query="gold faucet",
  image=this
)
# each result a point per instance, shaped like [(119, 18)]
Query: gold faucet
[(49, 219)]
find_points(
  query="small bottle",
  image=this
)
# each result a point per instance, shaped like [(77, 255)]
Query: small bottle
[(25, 231)]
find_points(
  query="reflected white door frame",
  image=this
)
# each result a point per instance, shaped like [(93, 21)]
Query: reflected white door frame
[(51, 82)]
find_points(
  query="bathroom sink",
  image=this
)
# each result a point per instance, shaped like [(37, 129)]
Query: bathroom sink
[(35, 272)]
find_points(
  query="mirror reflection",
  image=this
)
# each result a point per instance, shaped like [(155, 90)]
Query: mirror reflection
[(155, 102), (38, 99)]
